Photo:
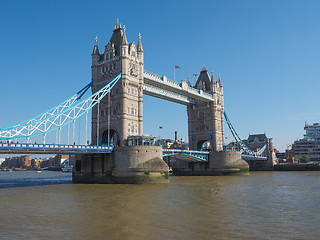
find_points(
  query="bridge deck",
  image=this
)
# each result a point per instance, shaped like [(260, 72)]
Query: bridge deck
[(24, 148)]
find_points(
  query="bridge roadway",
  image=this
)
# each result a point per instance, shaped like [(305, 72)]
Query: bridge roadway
[(162, 87), (25, 148)]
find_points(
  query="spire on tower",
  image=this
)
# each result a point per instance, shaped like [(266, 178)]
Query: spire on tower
[(219, 81), (118, 26), (140, 49), (95, 49), (212, 78), (124, 37)]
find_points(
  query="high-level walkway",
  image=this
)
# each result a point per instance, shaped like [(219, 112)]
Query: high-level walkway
[(162, 87)]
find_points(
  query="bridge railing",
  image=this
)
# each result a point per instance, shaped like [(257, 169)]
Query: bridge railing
[(168, 94), (188, 90), (161, 79), (53, 146)]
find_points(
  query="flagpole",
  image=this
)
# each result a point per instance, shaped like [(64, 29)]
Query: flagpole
[(174, 73)]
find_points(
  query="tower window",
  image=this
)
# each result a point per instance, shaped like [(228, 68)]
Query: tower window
[(201, 114)]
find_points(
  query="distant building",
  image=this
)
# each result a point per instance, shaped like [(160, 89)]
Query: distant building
[(256, 141), (25, 161), (36, 163), (16, 162), (310, 144), (233, 146)]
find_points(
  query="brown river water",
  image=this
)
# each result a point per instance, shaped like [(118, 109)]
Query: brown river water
[(263, 205)]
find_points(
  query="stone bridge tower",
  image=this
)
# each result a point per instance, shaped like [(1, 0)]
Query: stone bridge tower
[(124, 111), (206, 120)]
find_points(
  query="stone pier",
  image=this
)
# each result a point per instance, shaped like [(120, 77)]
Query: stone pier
[(128, 164), (220, 163)]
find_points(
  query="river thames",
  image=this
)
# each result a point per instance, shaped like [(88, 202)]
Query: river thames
[(263, 205)]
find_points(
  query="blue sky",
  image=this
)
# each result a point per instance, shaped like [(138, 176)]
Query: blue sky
[(267, 52)]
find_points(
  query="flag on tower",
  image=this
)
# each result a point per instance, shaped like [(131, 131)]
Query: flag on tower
[(160, 127), (177, 66), (195, 75)]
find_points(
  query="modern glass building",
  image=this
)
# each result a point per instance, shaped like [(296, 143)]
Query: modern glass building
[(310, 144)]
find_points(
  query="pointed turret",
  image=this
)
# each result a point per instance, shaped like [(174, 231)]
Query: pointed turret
[(116, 38), (212, 77), (124, 37), (219, 81), (95, 49), (213, 82), (140, 49), (203, 81)]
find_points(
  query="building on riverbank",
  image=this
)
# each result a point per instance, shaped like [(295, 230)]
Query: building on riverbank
[(310, 144)]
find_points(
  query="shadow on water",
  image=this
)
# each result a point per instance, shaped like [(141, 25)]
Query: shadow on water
[(30, 181)]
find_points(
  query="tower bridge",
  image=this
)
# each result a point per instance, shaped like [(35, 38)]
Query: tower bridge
[(119, 81)]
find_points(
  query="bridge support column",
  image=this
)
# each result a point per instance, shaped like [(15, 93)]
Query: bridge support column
[(220, 163), (227, 162), (128, 164), (140, 164)]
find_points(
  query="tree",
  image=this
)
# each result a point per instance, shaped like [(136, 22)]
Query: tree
[(296, 159), (305, 159)]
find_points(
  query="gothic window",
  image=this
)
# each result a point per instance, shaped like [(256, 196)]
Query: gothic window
[(133, 54), (129, 111), (135, 92), (201, 114), (129, 90)]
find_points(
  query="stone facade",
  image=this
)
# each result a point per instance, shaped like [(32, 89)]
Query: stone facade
[(128, 164), (206, 120), (125, 102)]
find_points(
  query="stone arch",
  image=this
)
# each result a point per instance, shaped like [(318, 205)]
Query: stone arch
[(204, 145), (113, 136)]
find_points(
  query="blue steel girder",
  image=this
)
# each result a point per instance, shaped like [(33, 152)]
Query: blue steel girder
[(199, 155), (58, 119), (244, 147), (53, 111)]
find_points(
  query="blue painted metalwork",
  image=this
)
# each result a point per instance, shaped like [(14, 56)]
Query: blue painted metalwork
[(15, 148), (58, 119), (53, 111), (200, 155), (243, 146), (253, 157)]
